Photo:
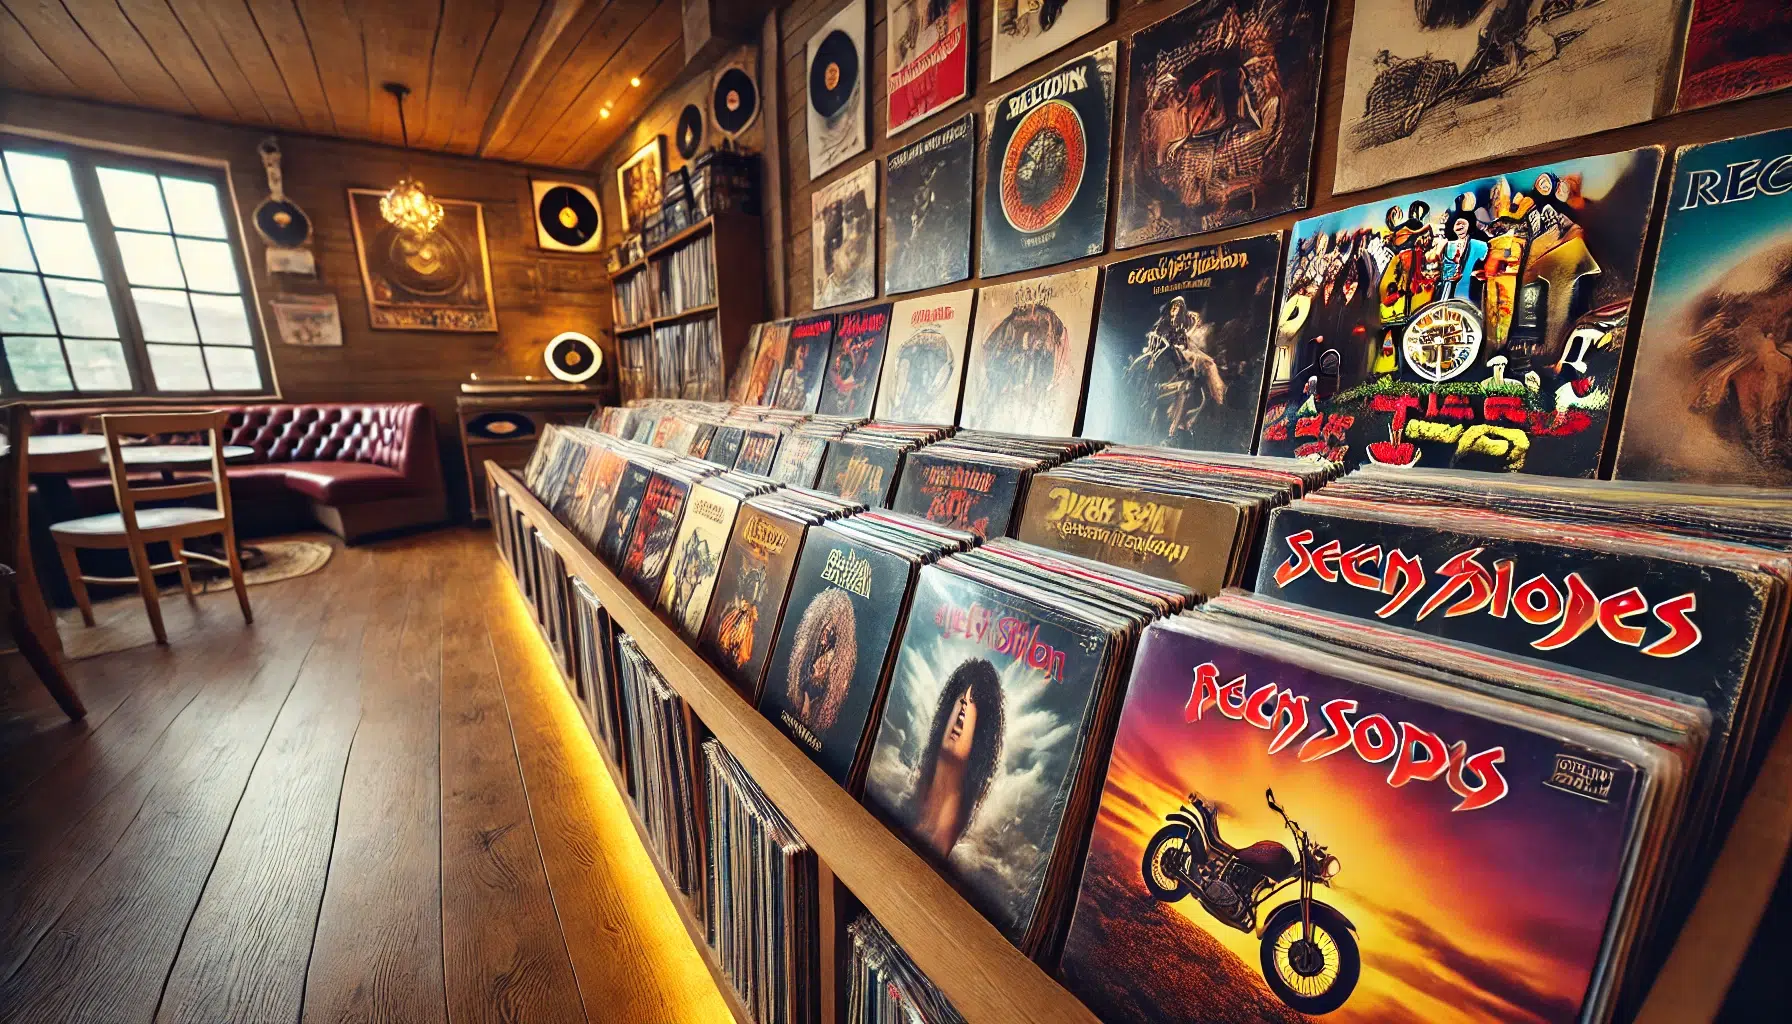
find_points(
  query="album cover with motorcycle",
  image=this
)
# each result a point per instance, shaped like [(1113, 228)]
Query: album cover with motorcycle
[(1285, 834)]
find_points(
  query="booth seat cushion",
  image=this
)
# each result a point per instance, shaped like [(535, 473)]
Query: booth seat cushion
[(345, 483)]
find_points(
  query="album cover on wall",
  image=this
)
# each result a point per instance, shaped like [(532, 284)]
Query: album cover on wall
[(929, 58), (1735, 48), (1045, 166), (837, 93), (1222, 102), (924, 360), (1022, 31), (1711, 396), (856, 362), (1475, 326), (1438, 85), (843, 239), (1181, 346), (805, 363), (927, 209), (1030, 347)]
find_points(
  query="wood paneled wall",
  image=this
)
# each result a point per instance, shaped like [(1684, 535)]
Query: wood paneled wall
[(538, 294)]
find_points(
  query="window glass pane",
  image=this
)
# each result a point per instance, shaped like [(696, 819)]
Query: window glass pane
[(164, 316), (233, 369), (194, 207), (132, 199), (150, 260), (37, 364), (99, 365), (222, 320), (178, 368), (83, 309), (22, 305), (15, 254), (6, 202), (209, 265), (44, 184), (63, 248)]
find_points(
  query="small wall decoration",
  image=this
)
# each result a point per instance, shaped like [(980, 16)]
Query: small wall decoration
[(1022, 31), (734, 100), (690, 130), (308, 321), (929, 60), (441, 281), (836, 60), (843, 226), (568, 217), (638, 183)]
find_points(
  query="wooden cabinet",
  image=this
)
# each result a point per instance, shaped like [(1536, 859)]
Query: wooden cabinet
[(504, 429)]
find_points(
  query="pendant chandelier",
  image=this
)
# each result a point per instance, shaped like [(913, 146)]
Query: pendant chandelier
[(406, 206)]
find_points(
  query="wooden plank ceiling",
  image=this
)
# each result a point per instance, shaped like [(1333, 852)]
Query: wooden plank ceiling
[(519, 80)]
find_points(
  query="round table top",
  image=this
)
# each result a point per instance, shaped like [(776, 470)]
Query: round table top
[(65, 444), (180, 454), (75, 453)]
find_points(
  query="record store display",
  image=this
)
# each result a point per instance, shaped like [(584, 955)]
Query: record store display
[(661, 764), (885, 987), (838, 101), (689, 137), (1045, 166), (924, 360), (856, 363), (974, 481), (1181, 346), (734, 100), (864, 464), (928, 211), (843, 233), (1022, 31), (573, 357), (568, 216), (767, 364), (1735, 49), (1029, 353), (1221, 107), (1477, 326), (805, 363), (928, 58)]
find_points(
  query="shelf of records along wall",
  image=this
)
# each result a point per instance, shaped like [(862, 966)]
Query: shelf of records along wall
[(987, 978)]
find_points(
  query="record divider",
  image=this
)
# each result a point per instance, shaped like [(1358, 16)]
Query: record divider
[(987, 979)]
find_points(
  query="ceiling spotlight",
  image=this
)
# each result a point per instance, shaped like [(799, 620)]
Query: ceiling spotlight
[(605, 112), (636, 82)]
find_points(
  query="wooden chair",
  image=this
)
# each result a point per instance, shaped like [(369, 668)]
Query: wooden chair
[(22, 606), (134, 528)]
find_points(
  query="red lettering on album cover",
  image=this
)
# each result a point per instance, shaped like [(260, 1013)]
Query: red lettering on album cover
[(1683, 634), (1204, 694), (1295, 724), (1407, 767), (1461, 571), (1502, 588), (1618, 607), (1335, 713), (1297, 566), (1583, 608), (1488, 787), (1231, 703), (1409, 571), (1256, 706), (1374, 738), (1010, 635), (1351, 566)]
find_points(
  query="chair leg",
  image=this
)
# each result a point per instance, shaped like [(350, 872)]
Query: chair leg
[(235, 558), (146, 585), (186, 571), (46, 666), (71, 567)]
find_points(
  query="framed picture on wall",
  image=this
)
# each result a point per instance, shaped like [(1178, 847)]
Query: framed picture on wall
[(440, 282), (638, 183)]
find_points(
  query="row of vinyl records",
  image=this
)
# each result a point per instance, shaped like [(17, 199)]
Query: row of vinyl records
[(1465, 750), (668, 285), (677, 360)]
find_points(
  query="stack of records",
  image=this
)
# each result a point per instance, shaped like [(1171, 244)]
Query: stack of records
[(724, 179), (763, 897), (724, 448), (686, 279), (634, 300), (661, 769), (624, 503), (849, 597), (884, 986), (864, 465), (975, 480), (649, 547), (698, 549), (988, 756), (595, 679), (759, 448), (799, 457)]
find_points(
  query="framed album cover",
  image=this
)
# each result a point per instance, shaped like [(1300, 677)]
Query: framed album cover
[(638, 183), (928, 209), (929, 58), (843, 227), (439, 282)]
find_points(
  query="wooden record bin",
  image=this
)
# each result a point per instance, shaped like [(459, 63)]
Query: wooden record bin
[(505, 428)]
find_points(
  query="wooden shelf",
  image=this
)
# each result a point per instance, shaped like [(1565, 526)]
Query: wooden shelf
[(669, 244), (985, 976), (694, 311)]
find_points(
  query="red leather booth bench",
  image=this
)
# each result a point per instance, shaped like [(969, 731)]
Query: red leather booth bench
[(354, 468)]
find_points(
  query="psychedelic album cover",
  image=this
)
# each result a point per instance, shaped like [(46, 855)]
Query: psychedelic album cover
[(1221, 105), (1479, 326), (1711, 395), (821, 689), (768, 364), (1181, 345), (1045, 167), (989, 704), (924, 362), (630, 488), (1025, 374), (972, 496), (697, 557), (1735, 48), (1026, 30), (1421, 909), (656, 526), (929, 58), (837, 95), (843, 237), (749, 595), (758, 449), (927, 209), (861, 472), (856, 362), (805, 363), (1185, 538), (1429, 86)]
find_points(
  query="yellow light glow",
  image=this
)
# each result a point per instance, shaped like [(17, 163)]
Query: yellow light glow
[(604, 112), (636, 82), (410, 209)]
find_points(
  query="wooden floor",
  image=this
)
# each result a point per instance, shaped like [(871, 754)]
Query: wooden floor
[(376, 804)]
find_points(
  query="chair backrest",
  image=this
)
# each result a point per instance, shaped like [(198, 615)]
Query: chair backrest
[(123, 428), (15, 481)]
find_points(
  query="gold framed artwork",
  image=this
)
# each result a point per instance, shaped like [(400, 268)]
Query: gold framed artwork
[(440, 282), (638, 183)]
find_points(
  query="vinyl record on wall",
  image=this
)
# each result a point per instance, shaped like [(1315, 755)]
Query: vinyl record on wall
[(567, 217), (836, 84), (280, 222), (690, 131), (573, 357), (833, 74), (734, 102)]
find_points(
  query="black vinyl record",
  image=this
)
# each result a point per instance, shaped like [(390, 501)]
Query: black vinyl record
[(567, 215), (735, 102), (690, 130), (833, 74), (282, 223), (573, 357), (501, 426)]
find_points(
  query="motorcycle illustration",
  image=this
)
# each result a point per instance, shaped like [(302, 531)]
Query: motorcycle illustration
[(1309, 952)]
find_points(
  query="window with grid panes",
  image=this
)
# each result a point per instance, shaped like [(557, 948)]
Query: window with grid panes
[(120, 277)]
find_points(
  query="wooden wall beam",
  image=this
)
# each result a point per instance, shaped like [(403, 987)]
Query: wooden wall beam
[(550, 24)]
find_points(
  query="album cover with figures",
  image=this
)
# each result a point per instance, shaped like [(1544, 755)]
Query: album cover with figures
[(856, 362), (1031, 346), (929, 58), (843, 239), (927, 209), (963, 493), (805, 363), (749, 596), (696, 560), (924, 359), (1022, 31)]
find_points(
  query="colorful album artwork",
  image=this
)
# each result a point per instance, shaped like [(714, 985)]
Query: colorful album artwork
[(964, 494), (749, 596), (805, 363), (1711, 396), (1181, 346), (927, 209), (768, 364), (1045, 167), (697, 557), (837, 95), (1430, 86), (1735, 48), (1221, 836), (929, 58), (656, 526), (856, 362), (843, 239), (1221, 106), (630, 488), (1479, 326), (924, 363), (861, 472), (1025, 374), (1022, 31)]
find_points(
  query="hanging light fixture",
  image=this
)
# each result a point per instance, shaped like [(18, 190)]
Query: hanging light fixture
[(406, 206)]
